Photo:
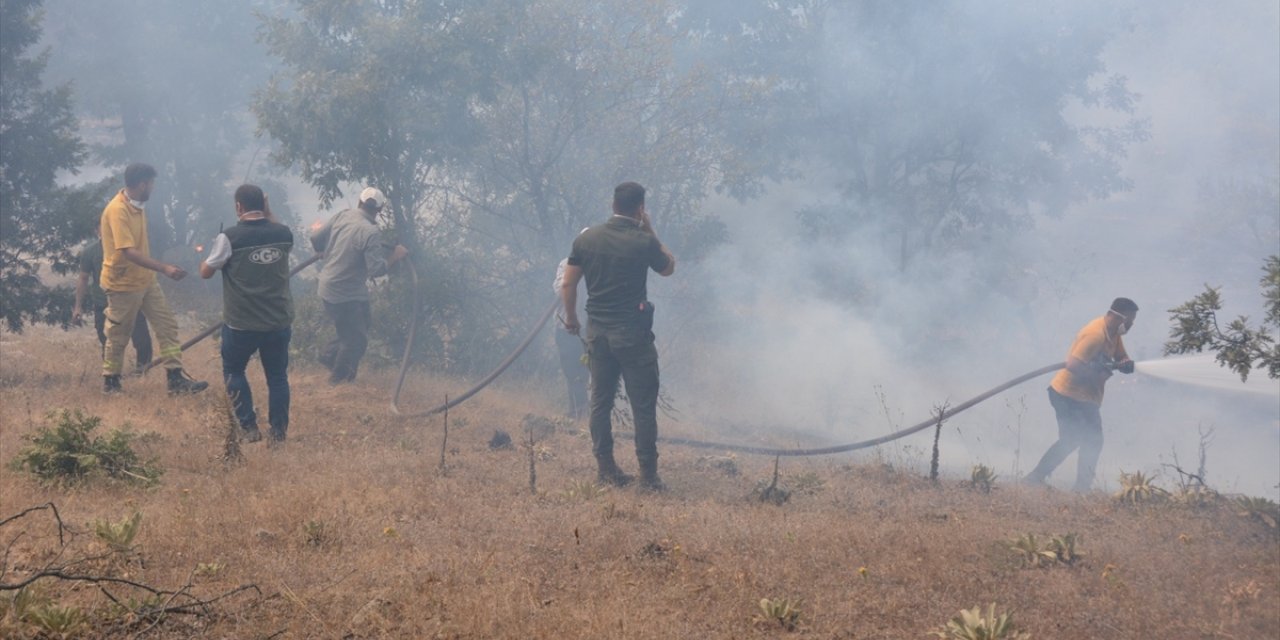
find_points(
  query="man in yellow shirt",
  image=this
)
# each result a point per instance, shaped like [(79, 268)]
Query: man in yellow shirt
[(129, 280), (1076, 392)]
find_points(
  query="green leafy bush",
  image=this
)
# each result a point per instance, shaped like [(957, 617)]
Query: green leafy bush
[(66, 451)]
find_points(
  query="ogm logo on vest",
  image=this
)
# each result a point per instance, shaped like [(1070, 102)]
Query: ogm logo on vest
[(266, 255)]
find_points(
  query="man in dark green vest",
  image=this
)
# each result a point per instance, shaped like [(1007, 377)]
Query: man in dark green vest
[(257, 308)]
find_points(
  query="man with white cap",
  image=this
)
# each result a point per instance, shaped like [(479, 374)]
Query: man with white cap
[(354, 252)]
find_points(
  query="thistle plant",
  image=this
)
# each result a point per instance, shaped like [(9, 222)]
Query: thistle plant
[(1138, 488), (974, 624), (119, 536), (1260, 509), (982, 478), (785, 612)]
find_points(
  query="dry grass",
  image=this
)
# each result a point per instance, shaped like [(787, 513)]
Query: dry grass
[(350, 531)]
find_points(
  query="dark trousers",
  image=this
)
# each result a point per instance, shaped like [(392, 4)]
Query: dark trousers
[(141, 337), (343, 353), (1079, 427), (272, 348), (576, 374), (628, 353)]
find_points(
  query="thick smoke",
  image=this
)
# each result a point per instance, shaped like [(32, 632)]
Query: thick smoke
[(833, 342)]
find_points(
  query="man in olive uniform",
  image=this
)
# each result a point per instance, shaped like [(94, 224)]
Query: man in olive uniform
[(88, 286), (615, 259), (257, 308), (1076, 393)]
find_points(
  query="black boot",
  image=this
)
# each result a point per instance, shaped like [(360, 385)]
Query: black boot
[(111, 384), (609, 473), (180, 383), (649, 479)]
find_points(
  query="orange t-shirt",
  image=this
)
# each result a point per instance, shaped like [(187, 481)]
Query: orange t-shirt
[(1092, 344)]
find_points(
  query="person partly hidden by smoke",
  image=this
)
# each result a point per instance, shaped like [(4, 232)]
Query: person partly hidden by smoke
[(1076, 393)]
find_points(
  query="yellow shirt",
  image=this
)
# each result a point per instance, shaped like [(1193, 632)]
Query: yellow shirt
[(1093, 345), (124, 226)]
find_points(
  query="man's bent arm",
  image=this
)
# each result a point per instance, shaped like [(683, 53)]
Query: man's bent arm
[(569, 296), (206, 271), (137, 258), (671, 262), (81, 286)]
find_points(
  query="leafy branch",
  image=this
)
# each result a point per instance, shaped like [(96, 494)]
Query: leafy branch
[(1239, 347)]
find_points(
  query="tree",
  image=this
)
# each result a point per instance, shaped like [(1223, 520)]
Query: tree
[(169, 82), (382, 93), (1240, 347), (943, 121), (41, 222), (497, 130)]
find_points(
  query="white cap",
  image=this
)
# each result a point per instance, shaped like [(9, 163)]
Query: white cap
[(372, 193)]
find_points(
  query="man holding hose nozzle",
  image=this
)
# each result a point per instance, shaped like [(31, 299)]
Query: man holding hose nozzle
[(615, 258), (354, 253), (1076, 392)]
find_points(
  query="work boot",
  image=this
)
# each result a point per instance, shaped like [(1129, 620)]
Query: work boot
[(251, 435), (111, 384), (649, 480), (180, 383), (609, 473), (275, 436)]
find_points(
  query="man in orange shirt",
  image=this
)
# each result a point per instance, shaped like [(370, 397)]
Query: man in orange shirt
[(1076, 392), (129, 280)]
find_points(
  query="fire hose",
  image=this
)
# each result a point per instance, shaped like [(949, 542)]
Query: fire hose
[(864, 444), (493, 375), (685, 442), (208, 331)]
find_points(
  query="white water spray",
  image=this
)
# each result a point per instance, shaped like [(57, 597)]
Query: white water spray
[(1202, 370)]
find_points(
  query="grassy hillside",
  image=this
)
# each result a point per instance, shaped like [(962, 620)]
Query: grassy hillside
[(351, 530)]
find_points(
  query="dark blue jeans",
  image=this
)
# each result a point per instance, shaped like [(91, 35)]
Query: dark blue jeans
[(272, 348)]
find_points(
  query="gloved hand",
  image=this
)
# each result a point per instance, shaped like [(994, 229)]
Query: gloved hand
[(1125, 367)]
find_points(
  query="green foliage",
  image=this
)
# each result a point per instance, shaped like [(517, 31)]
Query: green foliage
[(1027, 547), (65, 451), (319, 534), (40, 222), (982, 478), (1239, 347), (808, 482), (52, 618), (1058, 550), (119, 536), (1137, 488), (783, 612), (1260, 509), (194, 132), (1195, 497), (974, 624), (22, 602), (584, 490), (1064, 549)]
